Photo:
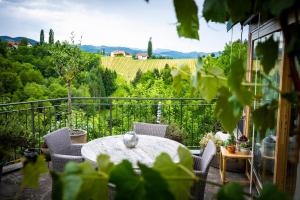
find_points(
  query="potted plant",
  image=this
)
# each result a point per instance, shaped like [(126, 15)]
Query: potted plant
[(245, 148), (230, 144), (240, 140), (173, 132), (12, 135), (69, 62)]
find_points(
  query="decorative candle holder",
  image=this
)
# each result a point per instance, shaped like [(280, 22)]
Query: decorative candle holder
[(130, 139)]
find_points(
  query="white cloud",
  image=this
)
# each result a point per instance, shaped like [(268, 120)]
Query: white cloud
[(119, 23)]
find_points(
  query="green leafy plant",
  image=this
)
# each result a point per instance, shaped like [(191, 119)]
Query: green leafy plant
[(210, 136), (173, 132), (230, 141)]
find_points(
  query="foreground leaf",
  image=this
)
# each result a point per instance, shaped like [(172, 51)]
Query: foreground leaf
[(267, 51), (264, 117), (32, 172), (215, 10), (155, 186), (228, 109), (128, 184), (231, 191), (277, 6), (104, 163), (238, 9), (178, 175), (270, 191), (187, 16), (77, 181), (235, 79)]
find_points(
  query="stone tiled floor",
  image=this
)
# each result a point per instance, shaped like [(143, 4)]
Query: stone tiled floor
[(9, 187)]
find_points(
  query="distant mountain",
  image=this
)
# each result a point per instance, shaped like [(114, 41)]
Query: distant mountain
[(109, 49), (17, 39), (157, 52)]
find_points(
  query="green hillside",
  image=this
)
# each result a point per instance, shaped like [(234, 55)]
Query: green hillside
[(127, 67)]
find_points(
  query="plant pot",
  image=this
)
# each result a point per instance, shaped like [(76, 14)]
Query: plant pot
[(31, 155), (231, 148), (244, 151), (78, 136)]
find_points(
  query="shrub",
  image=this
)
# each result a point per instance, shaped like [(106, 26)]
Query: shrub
[(173, 132)]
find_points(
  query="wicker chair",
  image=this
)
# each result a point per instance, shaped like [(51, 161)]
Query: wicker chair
[(150, 129), (61, 149), (201, 167)]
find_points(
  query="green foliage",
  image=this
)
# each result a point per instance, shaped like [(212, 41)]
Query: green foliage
[(187, 16), (137, 77), (24, 42), (34, 91), (267, 51), (32, 172), (149, 49)]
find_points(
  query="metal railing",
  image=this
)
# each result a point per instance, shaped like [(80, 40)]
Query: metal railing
[(103, 116)]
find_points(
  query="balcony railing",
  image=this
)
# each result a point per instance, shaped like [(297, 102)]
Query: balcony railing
[(103, 116)]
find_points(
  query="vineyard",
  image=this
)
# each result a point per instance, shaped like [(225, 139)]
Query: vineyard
[(127, 67)]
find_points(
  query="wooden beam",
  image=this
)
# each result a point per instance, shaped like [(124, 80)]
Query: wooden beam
[(283, 127)]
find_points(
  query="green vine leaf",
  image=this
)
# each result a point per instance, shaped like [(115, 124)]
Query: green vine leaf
[(187, 16), (238, 9), (277, 6), (264, 117), (267, 51), (104, 163), (235, 79), (231, 191), (155, 186), (215, 10), (228, 109), (128, 184), (77, 181), (270, 191), (32, 172), (178, 175)]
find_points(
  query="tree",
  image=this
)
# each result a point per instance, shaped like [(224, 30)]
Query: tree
[(51, 36), (149, 50), (42, 38), (68, 63), (137, 77), (24, 42)]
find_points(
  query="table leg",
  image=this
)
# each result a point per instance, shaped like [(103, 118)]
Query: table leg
[(224, 170)]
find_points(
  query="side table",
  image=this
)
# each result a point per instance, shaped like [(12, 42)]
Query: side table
[(224, 155)]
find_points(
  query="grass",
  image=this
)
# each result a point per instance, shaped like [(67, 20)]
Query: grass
[(127, 67)]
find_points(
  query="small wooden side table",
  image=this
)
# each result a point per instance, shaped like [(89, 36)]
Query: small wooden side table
[(224, 155)]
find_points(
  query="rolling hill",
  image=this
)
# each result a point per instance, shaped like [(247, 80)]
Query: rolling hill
[(127, 67), (17, 39)]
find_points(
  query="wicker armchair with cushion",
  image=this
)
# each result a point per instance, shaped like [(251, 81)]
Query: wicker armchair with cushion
[(201, 167), (61, 149), (150, 129)]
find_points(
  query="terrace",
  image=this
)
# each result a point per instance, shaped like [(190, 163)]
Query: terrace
[(103, 117)]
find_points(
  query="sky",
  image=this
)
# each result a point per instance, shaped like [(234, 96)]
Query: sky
[(127, 23)]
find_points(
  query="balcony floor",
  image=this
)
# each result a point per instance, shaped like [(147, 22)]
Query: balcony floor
[(9, 187)]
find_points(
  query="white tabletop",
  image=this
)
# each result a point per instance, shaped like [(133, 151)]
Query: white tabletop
[(147, 149)]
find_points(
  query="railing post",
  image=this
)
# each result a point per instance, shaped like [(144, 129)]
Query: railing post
[(32, 121), (180, 112), (110, 117), (55, 116)]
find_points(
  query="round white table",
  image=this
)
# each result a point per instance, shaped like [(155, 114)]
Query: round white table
[(147, 149)]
